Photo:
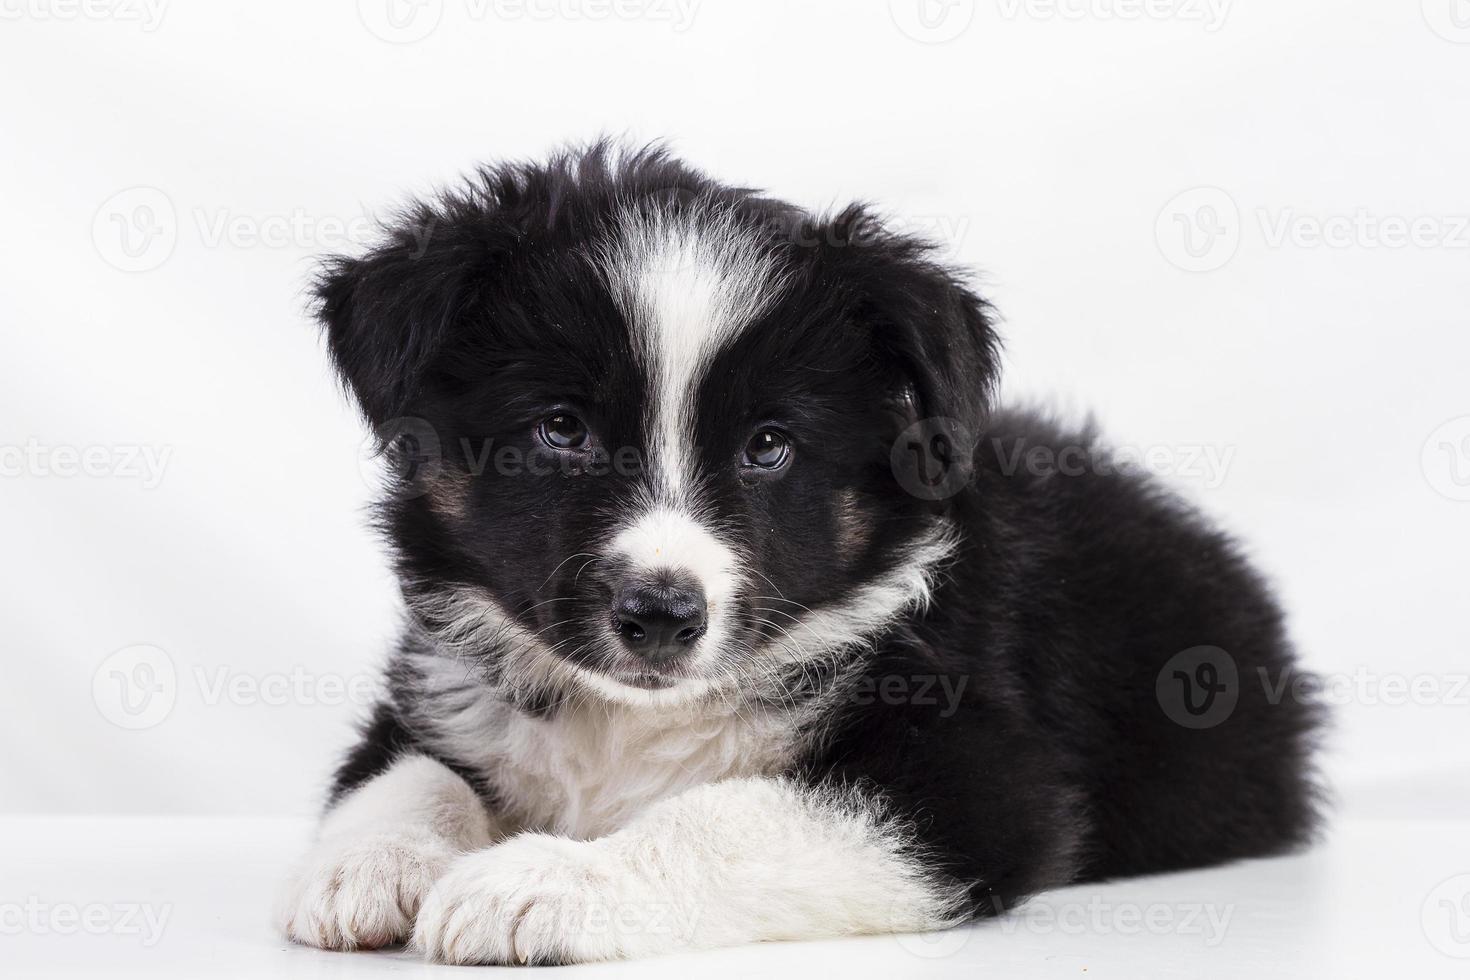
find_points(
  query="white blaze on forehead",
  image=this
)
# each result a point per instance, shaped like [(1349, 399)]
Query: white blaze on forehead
[(687, 285)]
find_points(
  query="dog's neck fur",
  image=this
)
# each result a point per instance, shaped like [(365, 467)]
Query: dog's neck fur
[(587, 767)]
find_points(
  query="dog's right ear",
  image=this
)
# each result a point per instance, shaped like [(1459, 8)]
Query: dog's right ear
[(388, 314)]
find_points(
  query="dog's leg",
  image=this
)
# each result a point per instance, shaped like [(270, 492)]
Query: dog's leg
[(730, 862), (378, 852)]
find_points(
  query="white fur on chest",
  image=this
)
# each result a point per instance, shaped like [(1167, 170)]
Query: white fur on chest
[(587, 772), (590, 767)]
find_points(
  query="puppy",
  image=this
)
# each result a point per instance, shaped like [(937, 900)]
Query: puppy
[(733, 613)]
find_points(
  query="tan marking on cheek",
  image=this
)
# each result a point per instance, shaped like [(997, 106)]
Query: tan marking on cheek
[(448, 495), (854, 529)]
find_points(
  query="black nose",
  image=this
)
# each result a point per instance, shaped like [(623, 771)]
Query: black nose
[(659, 620)]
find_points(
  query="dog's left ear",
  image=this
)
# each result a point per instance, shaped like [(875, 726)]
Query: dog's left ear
[(924, 320)]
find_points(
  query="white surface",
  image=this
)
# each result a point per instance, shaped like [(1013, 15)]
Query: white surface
[(1366, 905)]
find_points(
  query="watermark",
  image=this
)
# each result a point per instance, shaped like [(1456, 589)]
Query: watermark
[(147, 14), (138, 687), (1201, 687), (921, 690), (1097, 916), (1204, 464), (405, 458), (135, 230), (1445, 459), (629, 919), (1208, 922), (297, 686), (933, 459), (932, 21), (944, 232), (1198, 688), (402, 457), (1200, 230), (293, 228), (1362, 228), (143, 463), (1450, 19), (400, 21), (928, 945), (677, 14), (1445, 917), (138, 229), (143, 921), (135, 687), (1209, 14), (410, 21), (1365, 686)]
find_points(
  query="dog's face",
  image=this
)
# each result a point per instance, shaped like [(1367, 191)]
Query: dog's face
[(644, 424)]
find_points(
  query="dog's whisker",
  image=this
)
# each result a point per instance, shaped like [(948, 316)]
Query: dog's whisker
[(580, 554)]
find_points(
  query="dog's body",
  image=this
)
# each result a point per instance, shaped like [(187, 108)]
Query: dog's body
[(733, 615)]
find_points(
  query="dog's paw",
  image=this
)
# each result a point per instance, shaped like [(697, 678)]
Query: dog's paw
[(363, 893), (539, 899)]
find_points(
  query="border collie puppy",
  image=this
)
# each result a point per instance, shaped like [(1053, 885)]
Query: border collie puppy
[(735, 611)]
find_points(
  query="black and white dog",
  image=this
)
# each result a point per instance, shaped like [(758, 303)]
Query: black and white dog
[(731, 615)]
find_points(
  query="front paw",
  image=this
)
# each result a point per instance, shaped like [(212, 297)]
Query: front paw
[(363, 893), (541, 899)]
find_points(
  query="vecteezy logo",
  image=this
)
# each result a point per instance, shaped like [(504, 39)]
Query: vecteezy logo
[(402, 456), (933, 459), (135, 230), (400, 21), (1446, 917), (1198, 687), (1199, 230), (932, 21), (926, 945), (1446, 459), (136, 687), (1450, 19)]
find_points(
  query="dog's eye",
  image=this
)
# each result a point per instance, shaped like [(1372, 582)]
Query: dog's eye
[(767, 450), (563, 432)]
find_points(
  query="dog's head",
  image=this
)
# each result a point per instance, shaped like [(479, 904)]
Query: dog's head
[(649, 432)]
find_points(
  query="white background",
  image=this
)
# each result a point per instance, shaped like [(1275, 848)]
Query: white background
[(169, 179), (1234, 230)]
